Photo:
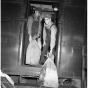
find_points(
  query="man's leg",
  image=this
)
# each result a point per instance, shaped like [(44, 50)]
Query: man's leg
[(44, 51)]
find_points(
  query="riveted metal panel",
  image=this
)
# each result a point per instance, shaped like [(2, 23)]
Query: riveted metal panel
[(72, 41), (11, 21), (9, 43)]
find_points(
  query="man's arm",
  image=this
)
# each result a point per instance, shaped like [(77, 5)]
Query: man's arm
[(44, 35), (53, 37), (40, 28), (29, 24)]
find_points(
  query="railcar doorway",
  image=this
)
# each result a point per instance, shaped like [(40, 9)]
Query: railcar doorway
[(46, 8)]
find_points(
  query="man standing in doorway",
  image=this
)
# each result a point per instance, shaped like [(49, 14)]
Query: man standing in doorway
[(34, 25), (49, 37), (34, 31)]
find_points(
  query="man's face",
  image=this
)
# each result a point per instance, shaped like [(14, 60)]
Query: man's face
[(47, 21), (37, 13)]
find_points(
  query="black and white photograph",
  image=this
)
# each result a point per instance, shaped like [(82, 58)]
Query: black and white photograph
[(43, 44)]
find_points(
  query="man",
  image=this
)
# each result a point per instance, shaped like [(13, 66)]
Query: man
[(34, 24), (49, 37), (33, 51)]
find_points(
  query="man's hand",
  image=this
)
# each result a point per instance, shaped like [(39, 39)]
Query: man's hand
[(35, 37), (44, 44), (30, 38), (50, 50), (50, 55)]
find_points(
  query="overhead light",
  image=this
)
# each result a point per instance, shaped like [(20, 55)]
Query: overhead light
[(55, 9)]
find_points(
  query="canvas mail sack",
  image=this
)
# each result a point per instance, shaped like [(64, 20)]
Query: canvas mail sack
[(33, 53), (48, 74)]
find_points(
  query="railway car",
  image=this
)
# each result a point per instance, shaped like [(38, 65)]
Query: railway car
[(70, 17)]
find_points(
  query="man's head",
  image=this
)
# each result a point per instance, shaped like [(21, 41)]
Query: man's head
[(47, 18), (38, 11)]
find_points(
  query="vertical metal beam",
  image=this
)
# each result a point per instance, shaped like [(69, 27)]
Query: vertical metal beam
[(21, 44), (59, 35), (84, 50)]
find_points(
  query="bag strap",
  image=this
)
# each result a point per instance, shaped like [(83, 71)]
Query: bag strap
[(51, 26)]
